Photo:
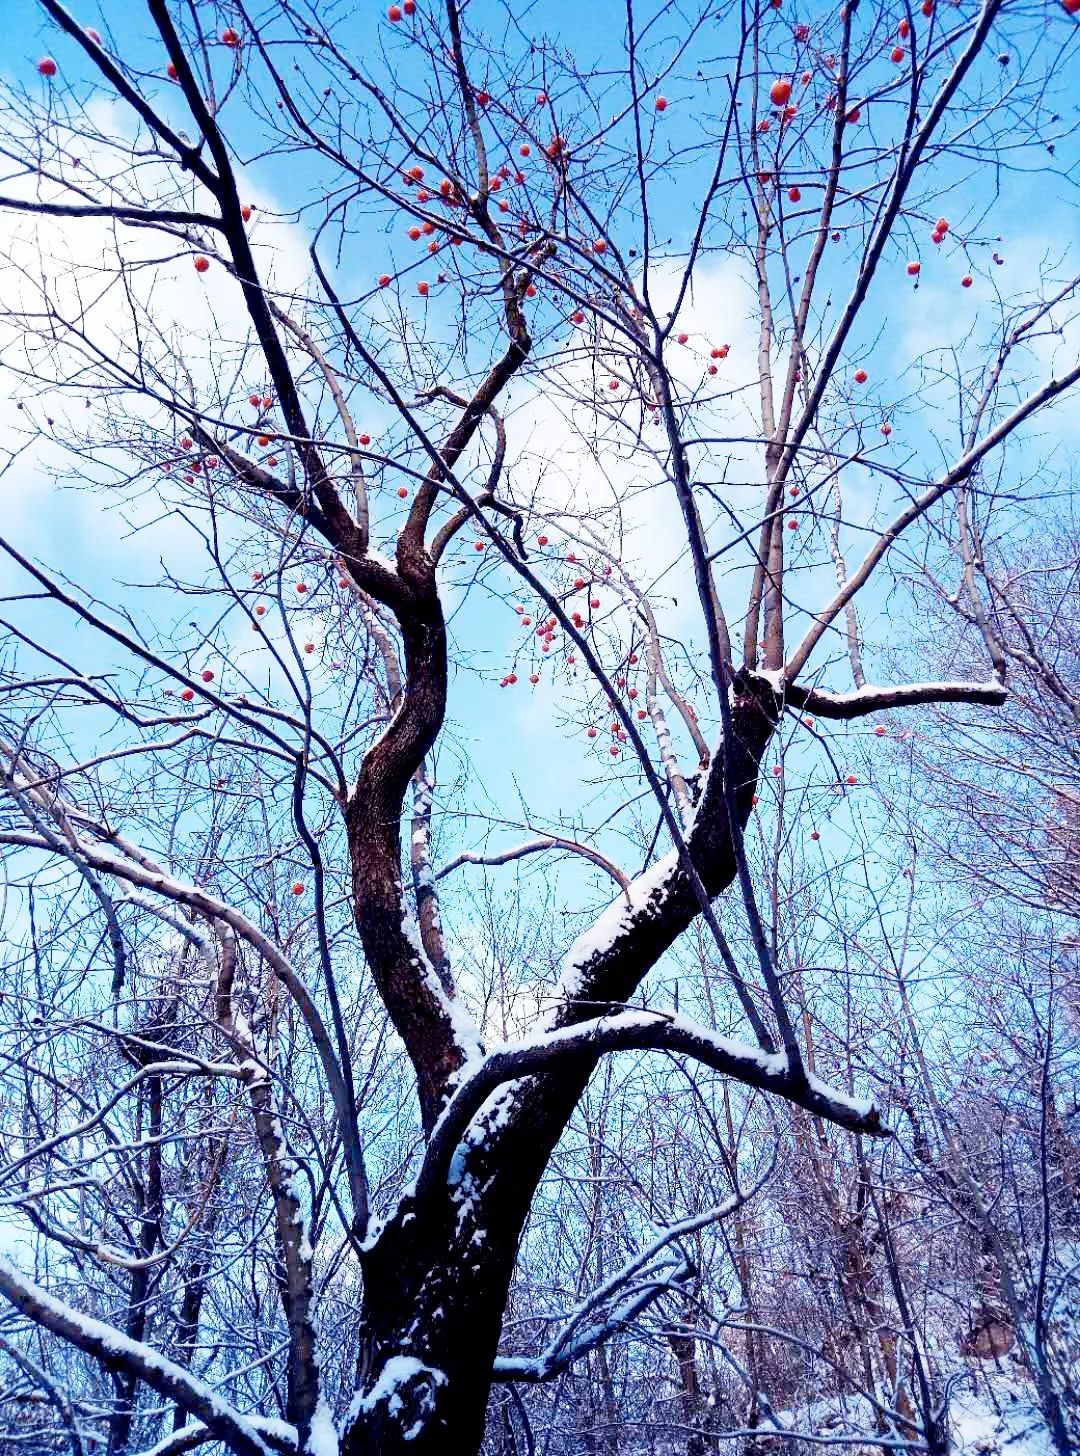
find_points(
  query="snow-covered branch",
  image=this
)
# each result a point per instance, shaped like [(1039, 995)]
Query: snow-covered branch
[(640, 1030), (873, 699), (579, 1334), (132, 1357)]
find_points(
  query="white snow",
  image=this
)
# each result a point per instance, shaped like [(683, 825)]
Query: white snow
[(323, 1440), (647, 890), (407, 1387)]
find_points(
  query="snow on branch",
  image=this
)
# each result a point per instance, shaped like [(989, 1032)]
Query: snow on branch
[(277, 1434), (558, 1357), (134, 1358), (637, 1030), (873, 699), (580, 1334)]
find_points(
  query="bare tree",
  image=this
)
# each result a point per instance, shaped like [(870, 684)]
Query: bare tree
[(280, 1099)]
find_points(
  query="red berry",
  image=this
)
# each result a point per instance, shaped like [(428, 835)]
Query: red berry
[(967, 279), (47, 66), (879, 731), (402, 492), (478, 545), (171, 71), (423, 289), (577, 318), (365, 440), (187, 695), (793, 525), (207, 675), (684, 338), (92, 34), (661, 103), (851, 779), (309, 647), (599, 246), (301, 588), (245, 212), (780, 93), (298, 888), (394, 13), (794, 195), (384, 280), (903, 30), (814, 834), (898, 54), (230, 37), (541, 540), (886, 429), (914, 269), (201, 264), (409, 7), (861, 376)]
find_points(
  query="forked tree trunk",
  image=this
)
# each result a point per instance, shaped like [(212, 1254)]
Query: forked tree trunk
[(437, 1278)]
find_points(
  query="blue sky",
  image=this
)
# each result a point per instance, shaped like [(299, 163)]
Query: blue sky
[(517, 741)]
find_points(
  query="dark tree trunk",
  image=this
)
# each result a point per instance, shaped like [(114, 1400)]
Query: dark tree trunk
[(437, 1278)]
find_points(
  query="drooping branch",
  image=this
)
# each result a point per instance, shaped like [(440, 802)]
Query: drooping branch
[(115, 1350), (536, 846)]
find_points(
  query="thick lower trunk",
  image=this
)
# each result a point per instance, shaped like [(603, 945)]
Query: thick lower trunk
[(428, 1364)]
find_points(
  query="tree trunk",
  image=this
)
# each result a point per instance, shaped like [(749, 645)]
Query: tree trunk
[(437, 1278)]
